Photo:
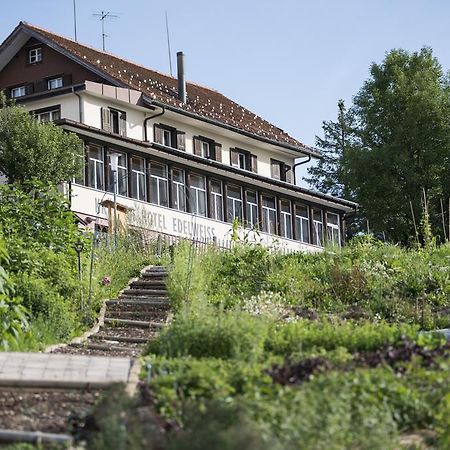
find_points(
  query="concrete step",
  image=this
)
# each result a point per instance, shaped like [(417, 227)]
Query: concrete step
[(147, 292), (148, 283), (142, 298), (154, 275), (133, 323), (146, 316)]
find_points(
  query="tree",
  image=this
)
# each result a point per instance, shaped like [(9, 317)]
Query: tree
[(31, 150), (399, 145), (328, 176)]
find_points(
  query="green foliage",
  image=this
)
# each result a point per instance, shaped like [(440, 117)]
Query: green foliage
[(33, 151), (204, 333)]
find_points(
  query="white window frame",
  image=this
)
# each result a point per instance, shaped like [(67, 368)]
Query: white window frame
[(18, 91), (217, 201), (266, 212), (334, 230), (99, 166), (167, 137), (318, 228), (35, 55), (252, 222), (136, 176), (54, 114), (302, 224), (54, 83), (286, 220), (235, 203), (196, 192), (179, 191), (205, 149), (122, 175), (161, 183)]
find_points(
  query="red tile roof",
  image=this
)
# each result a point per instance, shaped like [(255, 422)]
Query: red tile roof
[(163, 88)]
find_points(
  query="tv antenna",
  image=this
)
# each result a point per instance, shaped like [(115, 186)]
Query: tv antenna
[(168, 44), (102, 16)]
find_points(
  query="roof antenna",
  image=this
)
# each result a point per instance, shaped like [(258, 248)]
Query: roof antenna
[(168, 45), (75, 18), (102, 17)]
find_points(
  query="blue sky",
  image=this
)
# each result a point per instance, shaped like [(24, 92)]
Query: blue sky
[(287, 60)]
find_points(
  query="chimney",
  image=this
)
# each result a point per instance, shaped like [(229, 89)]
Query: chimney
[(181, 78)]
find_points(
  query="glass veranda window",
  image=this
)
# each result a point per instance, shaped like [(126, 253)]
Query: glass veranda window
[(96, 172), (137, 183), (301, 223), (216, 200), (252, 209), (122, 174), (286, 219), (178, 189), (159, 187), (333, 229), (269, 215), (197, 189), (318, 227), (234, 203)]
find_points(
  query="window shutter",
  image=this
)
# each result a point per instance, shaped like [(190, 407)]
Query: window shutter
[(197, 146), (288, 172), (234, 157), (67, 79), (158, 134), (181, 140), (254, 163), (123, 124), (106, 119), (40, 86), (218, 152), (275, 169)]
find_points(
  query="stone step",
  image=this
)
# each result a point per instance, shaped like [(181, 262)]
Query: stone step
[(104, 347), (142, 298), (117, 338), (140, 302), (154, 275), (146, 316), (148, 283), (133, 323), (147, 292)]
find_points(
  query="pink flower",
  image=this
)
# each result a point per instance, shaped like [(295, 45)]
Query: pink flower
[(106, 281)]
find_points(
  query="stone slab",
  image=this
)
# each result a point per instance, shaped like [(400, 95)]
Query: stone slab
[(62, 370)]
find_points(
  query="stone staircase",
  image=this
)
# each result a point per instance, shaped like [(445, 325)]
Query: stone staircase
[(138, 314)]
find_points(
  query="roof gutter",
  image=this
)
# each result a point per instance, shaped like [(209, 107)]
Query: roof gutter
[(304, 150)]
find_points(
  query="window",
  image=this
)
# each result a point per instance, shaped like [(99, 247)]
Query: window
[(19, 91), (243, 159), (198, 194), (234, 203), (122, 174), (280, 171), (269, 215), (169, 136), (159, 187), (114, 121), (252, 209), (301, 223), (35, 55), (96, 173), (54, 83), (138, 189), (286, 219), (48, 116), (216, 200), (207, 148), (333, 229), (178, 189), (318, 227)]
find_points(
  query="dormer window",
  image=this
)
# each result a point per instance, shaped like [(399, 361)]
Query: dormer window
[(207, 148), (54, 83), (35, 55), (18, 91)]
